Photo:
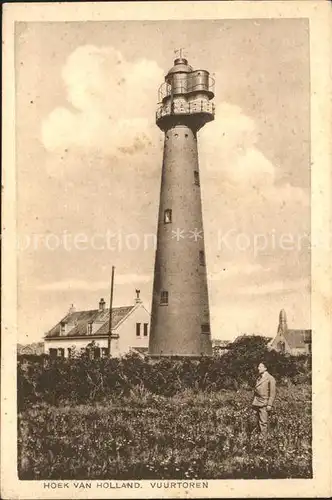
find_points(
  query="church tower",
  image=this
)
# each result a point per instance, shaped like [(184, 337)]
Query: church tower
[(282, 327), (180, 322)]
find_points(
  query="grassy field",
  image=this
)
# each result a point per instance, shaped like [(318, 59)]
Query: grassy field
[(145, 436)]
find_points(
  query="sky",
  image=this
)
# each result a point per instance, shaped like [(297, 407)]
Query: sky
[(89, 156)]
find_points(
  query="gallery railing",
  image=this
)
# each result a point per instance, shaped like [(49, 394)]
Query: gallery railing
[(197, 106)]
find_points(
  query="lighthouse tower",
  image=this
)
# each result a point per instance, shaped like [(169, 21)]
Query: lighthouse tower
[(180, 322)]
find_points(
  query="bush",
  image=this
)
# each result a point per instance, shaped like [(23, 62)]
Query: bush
[(82, 380), (134, 418)]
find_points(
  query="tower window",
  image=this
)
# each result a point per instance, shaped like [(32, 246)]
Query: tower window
[(196, 177), (138, 329), (201, 258), (205, 328), (164, 298), (168, 216), (146, 325)]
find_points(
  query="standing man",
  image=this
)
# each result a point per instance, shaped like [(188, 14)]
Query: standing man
[(264, 394)]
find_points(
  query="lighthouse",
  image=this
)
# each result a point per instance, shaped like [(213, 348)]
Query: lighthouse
[(180, 318)]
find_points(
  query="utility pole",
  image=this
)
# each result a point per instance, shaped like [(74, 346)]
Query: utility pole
[(110, 319)]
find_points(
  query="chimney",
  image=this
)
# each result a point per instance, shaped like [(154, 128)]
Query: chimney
[(137, 299), (102, 305), (72, 309)]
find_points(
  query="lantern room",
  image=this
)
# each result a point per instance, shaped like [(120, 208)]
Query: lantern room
[(182, 79), (185, 92)]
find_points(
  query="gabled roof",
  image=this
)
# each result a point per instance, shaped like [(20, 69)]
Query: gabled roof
[(76, 322), (118, 314), (297, 338)]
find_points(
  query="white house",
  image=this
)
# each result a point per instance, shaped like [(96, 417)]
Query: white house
[(78, 329)]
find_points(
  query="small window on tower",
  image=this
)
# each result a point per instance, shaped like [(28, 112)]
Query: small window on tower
[(205, 328), (164, 298), (201, 258), (138, 329), (146, 325), (168, 216), (196, 177)]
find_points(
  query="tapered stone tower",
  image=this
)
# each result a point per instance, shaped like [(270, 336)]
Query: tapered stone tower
[(282, 327), (180, 322)]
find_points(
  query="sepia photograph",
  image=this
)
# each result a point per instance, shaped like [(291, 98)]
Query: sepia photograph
[(164, 240)]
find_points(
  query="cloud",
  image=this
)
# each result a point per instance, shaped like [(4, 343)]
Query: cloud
[(232, 269), (110, 103), (110, 110), (228, 146), (82, 285), (276, 287), (255, 309), (243, 203)]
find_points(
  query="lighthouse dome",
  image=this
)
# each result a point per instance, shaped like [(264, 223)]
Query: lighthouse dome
[(180, 66)]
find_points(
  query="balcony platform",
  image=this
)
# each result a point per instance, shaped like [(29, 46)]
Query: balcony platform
[(198, 112)]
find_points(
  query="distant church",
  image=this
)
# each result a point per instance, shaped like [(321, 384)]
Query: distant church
[(288, 341)]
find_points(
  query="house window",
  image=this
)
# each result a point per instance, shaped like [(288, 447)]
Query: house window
[(61, 352), (62, 328), (96, 353), (168, 216), (205, 328), (146, 326), (201, 258), (164, 298), (138, 329), (53, 352), (89, 328), (196, 177)]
